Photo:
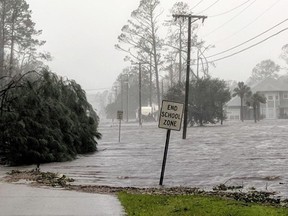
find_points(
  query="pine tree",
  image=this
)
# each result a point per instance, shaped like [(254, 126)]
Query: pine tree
[(140, 38), (46, 119), (17, 36)]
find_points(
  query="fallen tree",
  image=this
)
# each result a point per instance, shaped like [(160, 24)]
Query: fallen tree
[(45, 118)]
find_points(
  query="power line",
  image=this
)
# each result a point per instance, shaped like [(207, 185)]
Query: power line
[(269, 8), (197, 4), (248, 40), (97, 89), (228, 11), (247, 48), (208, 7), (230, 19)]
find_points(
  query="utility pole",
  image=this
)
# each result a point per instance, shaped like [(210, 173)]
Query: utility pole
[(140, 98), (121, 92), (180, 54), (140, 90), (198, 64), (196, 17), (127, 98), (116, 92), (150, 81), (162, 88)]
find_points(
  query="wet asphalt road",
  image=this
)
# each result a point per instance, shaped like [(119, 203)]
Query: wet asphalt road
[(16, 200)]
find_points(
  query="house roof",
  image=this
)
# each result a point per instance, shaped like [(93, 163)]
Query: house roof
[(266, 85), (270, 85), (235, 101)]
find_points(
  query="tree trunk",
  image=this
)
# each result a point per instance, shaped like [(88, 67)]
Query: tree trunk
[(11, 50), (222, 116), (255, 113), (14, 15), (150, 81), (2, 38), (155, 64), (171, 74), (241, 110), (258, 112)]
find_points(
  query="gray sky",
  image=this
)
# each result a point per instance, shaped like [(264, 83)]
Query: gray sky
[(81, 35)]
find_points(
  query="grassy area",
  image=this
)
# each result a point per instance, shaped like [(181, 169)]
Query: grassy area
[(194, 205)]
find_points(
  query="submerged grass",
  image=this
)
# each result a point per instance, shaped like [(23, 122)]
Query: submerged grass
[(194, 205)]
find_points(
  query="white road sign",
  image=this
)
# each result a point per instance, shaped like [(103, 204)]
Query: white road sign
[(171, 115)]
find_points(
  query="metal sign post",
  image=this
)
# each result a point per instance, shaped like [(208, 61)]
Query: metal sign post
[(170, 119), (119, 117), (165, 157)]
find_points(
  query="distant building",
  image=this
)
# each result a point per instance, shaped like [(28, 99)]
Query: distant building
[(149, 113), (276, 93), (233, 109)]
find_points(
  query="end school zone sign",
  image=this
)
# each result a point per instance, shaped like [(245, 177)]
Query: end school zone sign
[(171, 115)]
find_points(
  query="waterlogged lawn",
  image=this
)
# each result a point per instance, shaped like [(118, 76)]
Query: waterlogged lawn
[(140, 204)]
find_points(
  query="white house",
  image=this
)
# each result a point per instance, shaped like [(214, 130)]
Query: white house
[(276, 93)]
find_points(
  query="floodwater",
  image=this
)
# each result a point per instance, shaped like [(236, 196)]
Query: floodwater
[(236, 153)]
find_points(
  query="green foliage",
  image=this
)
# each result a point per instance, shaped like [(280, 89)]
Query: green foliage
[(140, 40), (242, 91), (111, 111), (176, 41), (48, 119), (128, 80), (176, 93), (254, 101), (265, 69), (18, 39), (206, 101), (140, 204)]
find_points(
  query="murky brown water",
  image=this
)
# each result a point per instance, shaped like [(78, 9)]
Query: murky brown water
[(237, 153)]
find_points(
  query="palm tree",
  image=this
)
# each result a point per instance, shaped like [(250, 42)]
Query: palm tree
[(254, 100), (242, 90)]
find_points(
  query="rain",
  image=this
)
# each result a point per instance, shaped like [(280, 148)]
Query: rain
[(146, 94)]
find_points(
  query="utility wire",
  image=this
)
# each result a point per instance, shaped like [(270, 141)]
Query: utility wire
[(230, 19), (248, 40), (269, 8), (197, 4), (97, 89), (247, 48), (208, 7), (228, 11)]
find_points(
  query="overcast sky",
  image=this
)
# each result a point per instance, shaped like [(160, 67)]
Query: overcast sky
[(81, 35)]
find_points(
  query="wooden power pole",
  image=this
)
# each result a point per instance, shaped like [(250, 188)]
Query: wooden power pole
[(190, 17)]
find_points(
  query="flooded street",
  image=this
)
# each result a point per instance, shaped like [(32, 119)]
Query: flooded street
[(248, 154)]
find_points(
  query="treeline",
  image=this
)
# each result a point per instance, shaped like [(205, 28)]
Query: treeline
[(163, 59), (45, 118), (19, 39), (207, 97)]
